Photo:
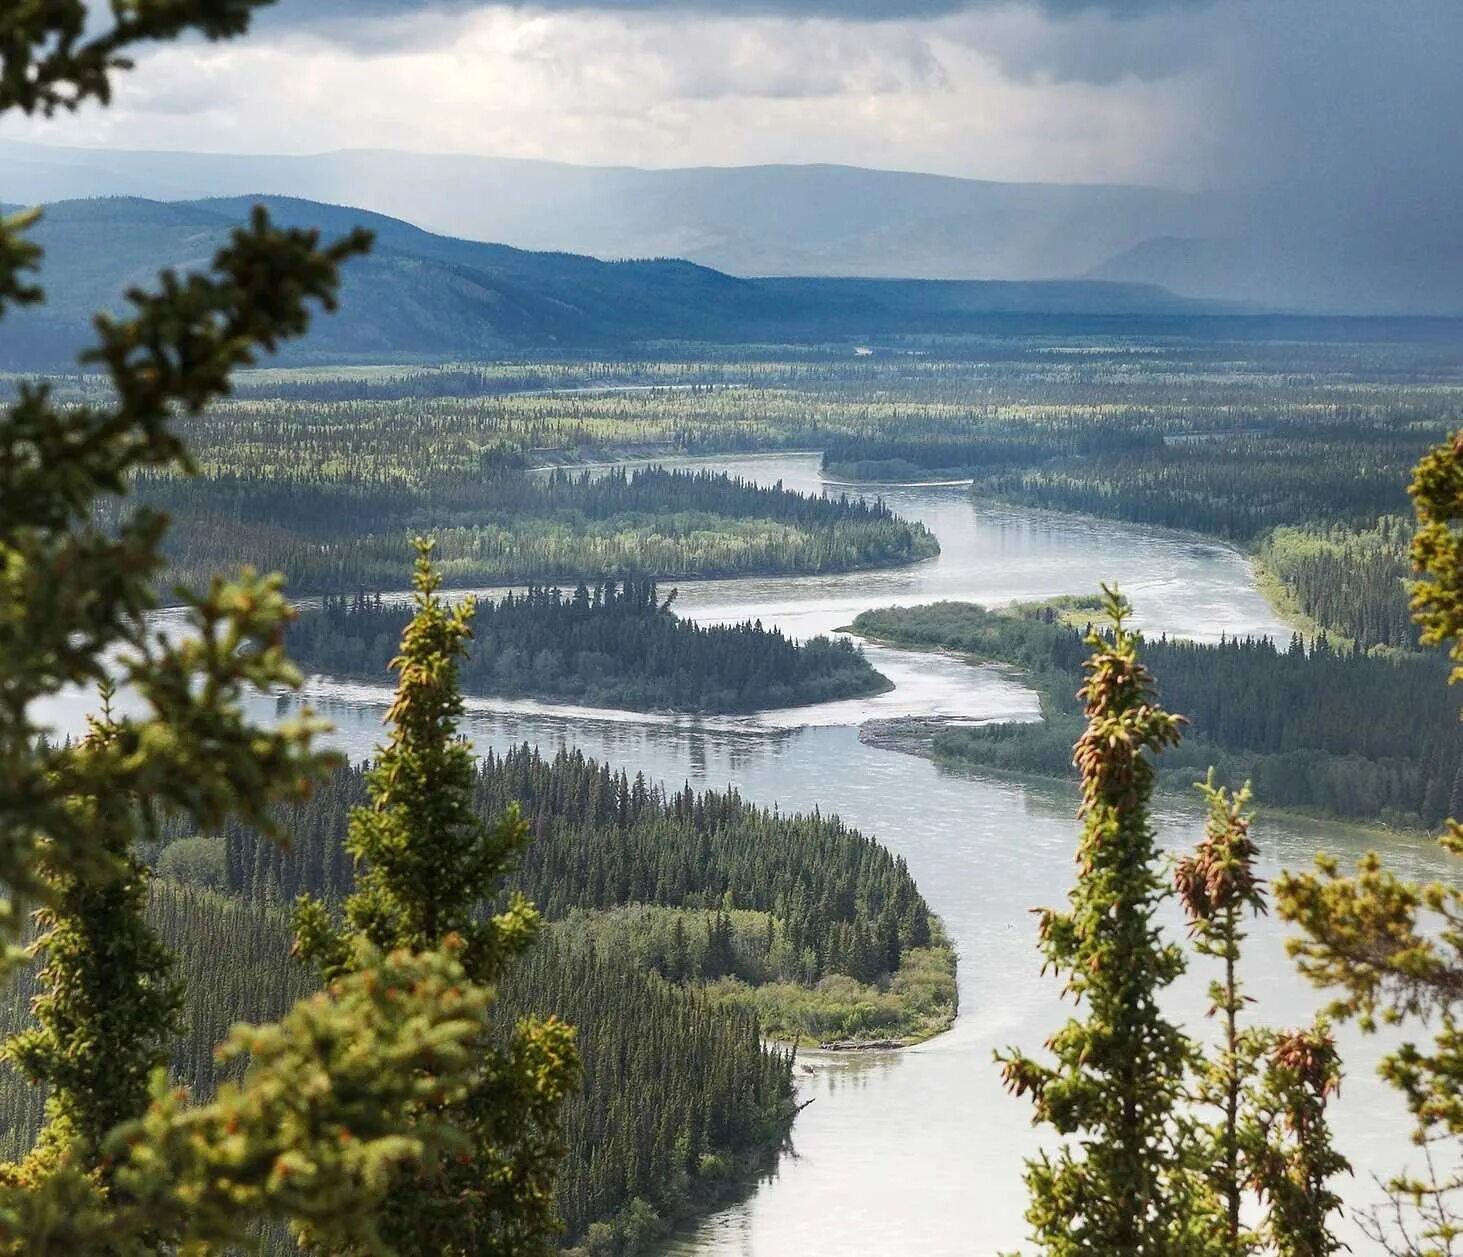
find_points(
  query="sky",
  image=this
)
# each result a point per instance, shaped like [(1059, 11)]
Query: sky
[(1338, 97)]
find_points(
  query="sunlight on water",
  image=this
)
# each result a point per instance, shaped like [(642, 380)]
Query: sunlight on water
[(920, 1151)]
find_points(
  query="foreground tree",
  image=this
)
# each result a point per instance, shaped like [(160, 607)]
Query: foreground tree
[(1392, 948), (1125, 1183), (1140, 1170), (1218, 887), (350, 1088), (1272, 1142), (428, 869)]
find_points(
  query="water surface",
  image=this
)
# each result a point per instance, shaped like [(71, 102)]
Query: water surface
[(920, 1151)]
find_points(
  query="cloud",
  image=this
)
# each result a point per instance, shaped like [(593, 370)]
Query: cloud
[(363, 13), (654, 89)]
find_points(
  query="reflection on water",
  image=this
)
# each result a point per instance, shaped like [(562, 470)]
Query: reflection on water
[(920, 1151)]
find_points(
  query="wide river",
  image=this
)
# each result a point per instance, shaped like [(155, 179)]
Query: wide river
[(921, 1151)]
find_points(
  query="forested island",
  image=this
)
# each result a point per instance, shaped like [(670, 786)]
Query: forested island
[(616, 644), (1333, 733), (685, 928), (334, 534)]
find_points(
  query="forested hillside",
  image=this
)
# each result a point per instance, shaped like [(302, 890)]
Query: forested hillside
[(679, 1100), (685, 926), (610, 646), (435, 297), (1335, 733)]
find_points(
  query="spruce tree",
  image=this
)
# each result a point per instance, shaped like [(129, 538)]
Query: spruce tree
[(1217, 886), (348, 1088), (1272, 1142), (428, 871), (1393, 948), (1123, 1183)]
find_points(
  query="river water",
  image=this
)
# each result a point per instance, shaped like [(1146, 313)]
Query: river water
[(920, 1151)]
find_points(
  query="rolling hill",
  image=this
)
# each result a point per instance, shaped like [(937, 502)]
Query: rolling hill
[(752, 220), (425, 295)]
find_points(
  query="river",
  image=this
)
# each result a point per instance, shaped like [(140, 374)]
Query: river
[(920, 1151)]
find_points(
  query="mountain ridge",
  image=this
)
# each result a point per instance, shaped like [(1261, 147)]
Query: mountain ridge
[(423, 294)]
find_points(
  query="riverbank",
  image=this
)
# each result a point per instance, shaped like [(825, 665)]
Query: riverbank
[(1363, 739), (912, 735)]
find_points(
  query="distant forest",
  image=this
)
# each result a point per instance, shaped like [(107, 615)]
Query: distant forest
[(337, 535), (1321, 501), (613, 645), (1335, 733)]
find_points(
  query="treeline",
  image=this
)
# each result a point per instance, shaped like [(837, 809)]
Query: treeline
[(1233, 485), (1354, 583), (1337, 733), (615, 645), (334, 536), (603, 839), (1318, 498), (976, 451)]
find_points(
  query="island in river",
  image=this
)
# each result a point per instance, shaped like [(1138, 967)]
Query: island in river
[(616, 644), (1332, 733)]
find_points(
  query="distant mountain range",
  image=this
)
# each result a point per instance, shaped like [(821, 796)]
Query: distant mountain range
[(1283, 247), (424, 295), (754, 220)]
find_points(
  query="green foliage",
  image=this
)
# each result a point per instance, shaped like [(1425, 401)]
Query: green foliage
[(1272, 1138), (1352, 583), (1130, 1088), (1365, 737), (347, 1090), (1437, 550), (1217, 886), (337, 537), (610, 647), (1119, 1076), (603, 839), (1286, 1143), (1393, 949), (109, 1002), (330, 1109), (428, 865)]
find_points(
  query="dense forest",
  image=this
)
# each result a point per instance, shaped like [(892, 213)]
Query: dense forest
[(1240, 438), (680, 1098), (683, 927), (493, 525), (613, 645), (1320, 506), (979, 452), (1354, 583), (603, 839), (1331, 732)]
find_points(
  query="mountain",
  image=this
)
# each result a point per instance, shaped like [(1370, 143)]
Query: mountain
[(419, 294), (754, 220)]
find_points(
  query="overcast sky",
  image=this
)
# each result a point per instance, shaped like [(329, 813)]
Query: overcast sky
[(1185, 93)]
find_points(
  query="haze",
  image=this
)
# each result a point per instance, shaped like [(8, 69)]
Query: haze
[(1317, 135)]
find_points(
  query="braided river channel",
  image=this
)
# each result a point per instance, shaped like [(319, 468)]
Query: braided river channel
[(920, 1150)]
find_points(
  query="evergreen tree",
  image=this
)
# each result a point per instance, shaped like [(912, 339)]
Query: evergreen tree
[(109, 1001), (1126, 1185), (429, 867), (1393, 949), (1217, 886), (1272, 1138), (329, 1103)]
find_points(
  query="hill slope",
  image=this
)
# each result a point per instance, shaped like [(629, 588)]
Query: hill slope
[(751, 220), (420, 294)]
